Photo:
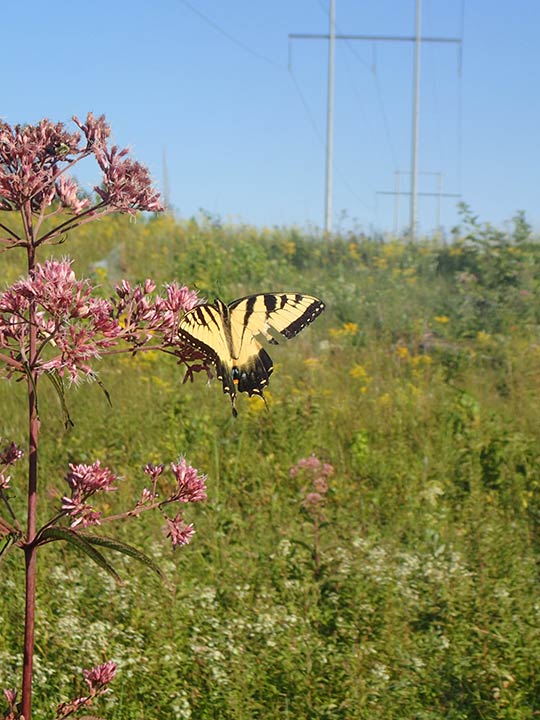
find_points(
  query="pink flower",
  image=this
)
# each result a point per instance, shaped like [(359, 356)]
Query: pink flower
[(320, 485), (11, 697), (84, 514), (147, 496), (179, 532), (85, 480), (309, 463), (126, 183), (191, 487), (29, 162), (99, 676), (327, 469), (180, 298), (11, 454), (4, 481), (67, 191), (96, 130), (154, 471), (313, 500)]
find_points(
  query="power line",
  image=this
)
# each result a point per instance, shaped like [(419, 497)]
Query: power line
[(311, 118), (373, 72), (418, 39), (239, 43), (309, 114)]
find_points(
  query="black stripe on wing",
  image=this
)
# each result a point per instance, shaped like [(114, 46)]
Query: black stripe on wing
[(285, 313), (313, 310), (200, 327)]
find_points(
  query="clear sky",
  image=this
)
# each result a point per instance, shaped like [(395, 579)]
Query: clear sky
[(206, 84)]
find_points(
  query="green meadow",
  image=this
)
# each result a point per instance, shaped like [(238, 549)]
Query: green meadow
[(417, 595)]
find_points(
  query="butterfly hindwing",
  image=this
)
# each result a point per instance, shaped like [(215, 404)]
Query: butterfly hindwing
[(227, 335)]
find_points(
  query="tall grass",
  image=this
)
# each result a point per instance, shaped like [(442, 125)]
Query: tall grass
[(420, 385)]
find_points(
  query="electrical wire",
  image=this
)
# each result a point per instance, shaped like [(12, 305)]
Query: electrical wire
[(246, 48), (373, 72), (320, 138), (239, 43)]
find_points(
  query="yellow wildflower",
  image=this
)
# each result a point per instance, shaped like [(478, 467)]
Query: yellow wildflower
[(289, 248), (359, 372), (419, 360), (402, 352), (353, 251), (348, 328), (483, 338), (443, 319)]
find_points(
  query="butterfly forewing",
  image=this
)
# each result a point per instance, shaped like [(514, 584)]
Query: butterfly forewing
[(284, 313), (204, 329)]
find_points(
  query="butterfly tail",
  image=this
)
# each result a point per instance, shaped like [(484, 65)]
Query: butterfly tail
[(224, 373)]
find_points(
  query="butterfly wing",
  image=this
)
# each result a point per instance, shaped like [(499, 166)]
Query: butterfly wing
[(227, 335), (265, 315), (283, 313)]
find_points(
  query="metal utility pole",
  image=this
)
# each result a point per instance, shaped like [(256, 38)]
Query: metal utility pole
[(397, 193), (417, 39), (330, 121), (415, 118)]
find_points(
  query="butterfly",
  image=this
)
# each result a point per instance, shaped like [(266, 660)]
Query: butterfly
[(227, 335)]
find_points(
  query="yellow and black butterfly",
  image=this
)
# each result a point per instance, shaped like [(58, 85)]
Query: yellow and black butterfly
[(227, 335)]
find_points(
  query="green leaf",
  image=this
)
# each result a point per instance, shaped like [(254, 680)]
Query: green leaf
[(121, 547), (103, 388), (81, 542), (58, 385), (9, 543)]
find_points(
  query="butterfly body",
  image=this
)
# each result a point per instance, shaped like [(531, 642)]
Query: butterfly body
[(227, 335)]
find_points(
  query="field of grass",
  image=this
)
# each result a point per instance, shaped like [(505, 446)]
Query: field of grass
[(417, 596)]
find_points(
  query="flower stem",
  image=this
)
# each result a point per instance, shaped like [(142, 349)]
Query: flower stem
[(30, 548)]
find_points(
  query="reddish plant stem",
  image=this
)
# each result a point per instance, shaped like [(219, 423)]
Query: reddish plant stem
[(30, 548)]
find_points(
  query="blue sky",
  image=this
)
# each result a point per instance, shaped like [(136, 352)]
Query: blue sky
[(244, 137)]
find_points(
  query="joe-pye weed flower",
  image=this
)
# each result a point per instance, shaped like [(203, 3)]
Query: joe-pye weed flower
[(54, 324)]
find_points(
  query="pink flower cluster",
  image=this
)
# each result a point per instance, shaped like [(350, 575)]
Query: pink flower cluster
[(97, 679), (74, 327), (126, 183), (144, 315), (318, 474), (85, 481), (8, 456), (313, 465), (190, 487), (99, 676), (35, 158), (29, 162)]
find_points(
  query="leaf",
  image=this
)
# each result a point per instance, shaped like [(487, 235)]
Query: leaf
[(121, 547), (103, 388), (81, 542), (58, 385), (8, 544)]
